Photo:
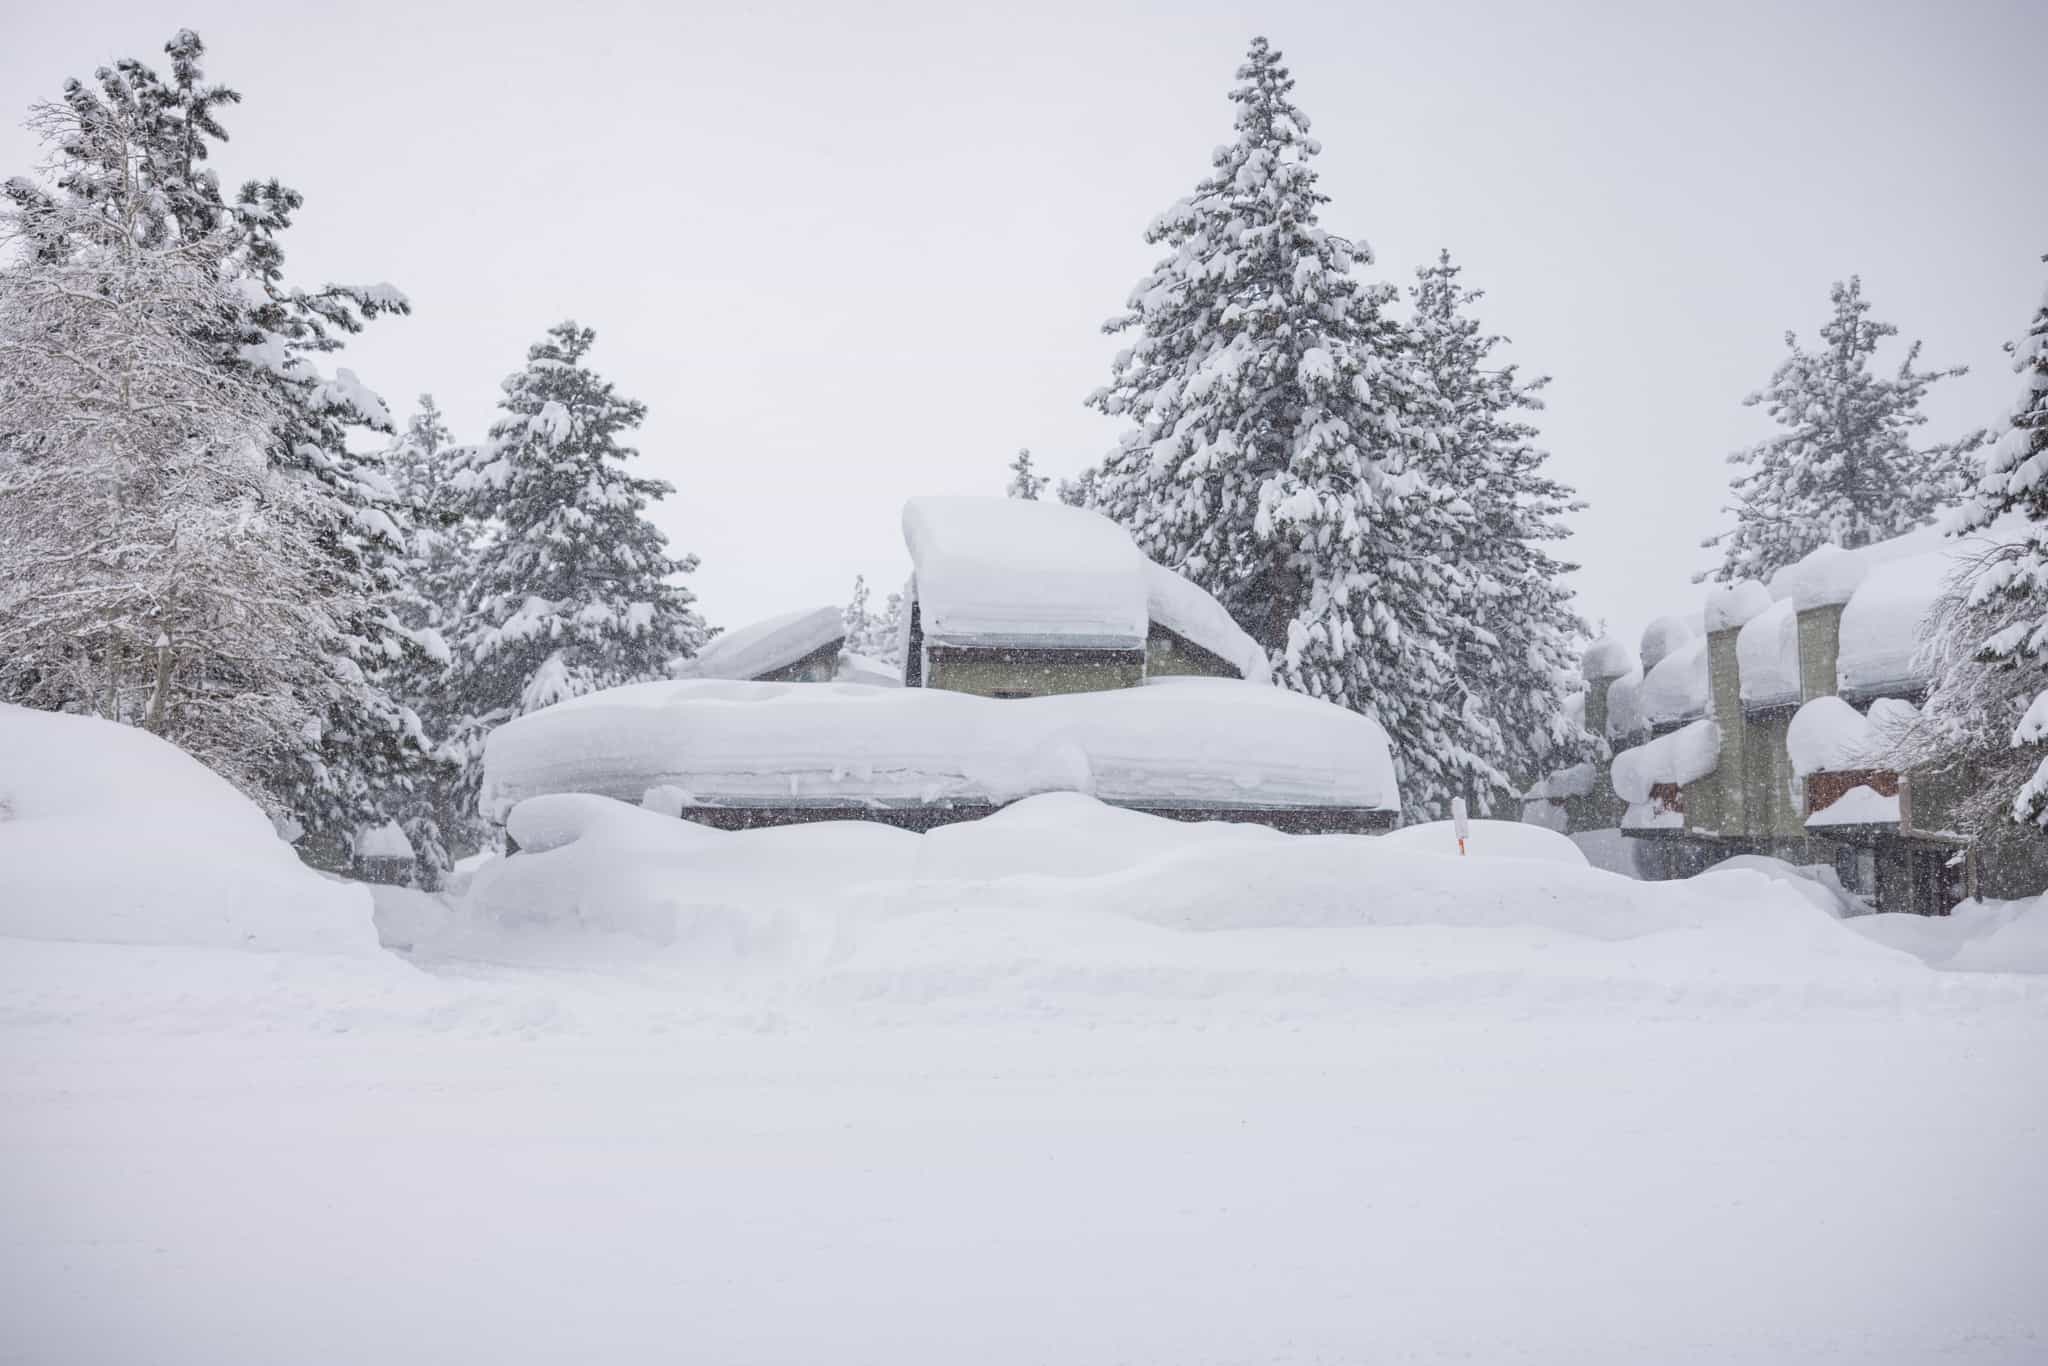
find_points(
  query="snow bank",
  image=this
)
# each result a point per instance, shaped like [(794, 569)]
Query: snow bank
[(1193, 615), (1767, 655), (110, 834), (1827, 735), (1681, 757), (1016, 571), (1487, 839), (766, 646), (1188, 741), (1677, 689), (1605, 659), (1817, 883), (1733, 605), (1977, 936), (1860, 805), (1662, 638)]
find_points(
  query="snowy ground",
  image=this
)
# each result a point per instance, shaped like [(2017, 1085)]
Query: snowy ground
[(1060, 1086)]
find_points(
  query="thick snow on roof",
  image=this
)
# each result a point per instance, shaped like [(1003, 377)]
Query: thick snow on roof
[(1682, 756), (1663, 638), (1194, 616), (1884, 625), (1676, 690), (1606, 658), (858, 668), (1195, 741), (1858, 806), (1017, 571), (383, 841), (1830, 575), (1625, 705), (1827, 735), (766, 646), (1732, 605), (1767, 655), (1576, 781)]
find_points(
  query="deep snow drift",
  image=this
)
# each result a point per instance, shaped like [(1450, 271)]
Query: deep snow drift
[(1069, 1083)]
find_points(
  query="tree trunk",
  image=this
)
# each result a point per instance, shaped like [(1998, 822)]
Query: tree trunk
[(160, 696)]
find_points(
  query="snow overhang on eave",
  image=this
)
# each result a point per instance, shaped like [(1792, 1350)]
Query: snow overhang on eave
[(1104, 644)]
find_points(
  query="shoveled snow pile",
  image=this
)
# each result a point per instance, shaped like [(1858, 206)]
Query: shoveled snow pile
[(109, 834), (1185, 741), (1680, 756), (766, 646), (1016, 571), (1767, 655), (1193, 615), (1676, 689)]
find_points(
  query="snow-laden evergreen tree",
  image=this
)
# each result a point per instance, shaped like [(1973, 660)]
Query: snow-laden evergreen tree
[(1844, 469), (869, 632), (1279, 425), (1079, 491), (575, 590), (1517, 637), (1989, 704), (154, 569), (362, 751), (1026, 482)]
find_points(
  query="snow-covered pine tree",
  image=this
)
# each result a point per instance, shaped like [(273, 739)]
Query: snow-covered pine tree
[(1278, 425), (1079, 491), (1026, 482), (1517, 636), (869, 632), (154, 569), (1989, 703), (362, 753), (575, 590), (1844, 468)]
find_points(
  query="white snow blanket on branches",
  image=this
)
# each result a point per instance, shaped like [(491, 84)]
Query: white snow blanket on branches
[(1202, 741), (110, 834)]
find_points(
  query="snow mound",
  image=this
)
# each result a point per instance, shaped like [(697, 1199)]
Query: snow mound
[(1733, 605), (1198, 742), (1827, 735), (1681, 757), (1664, 637), (1677, 689), (1767, 655), (1606, 658), (866, 669), (766, 646), (1817, 883), (109, 834), (1020, 572), (1194, 616), (1487, 839), (1977, 936)]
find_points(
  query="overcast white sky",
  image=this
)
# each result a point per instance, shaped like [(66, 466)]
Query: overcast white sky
[(849, 253)]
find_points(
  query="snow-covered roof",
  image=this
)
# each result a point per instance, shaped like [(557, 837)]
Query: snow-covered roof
[(1860, 805), (383, 841), (1733, 605), (1607, 658), (1186, 741), (765, 646), (1884, 623), (1194, 616), (858, 668), (1663, 638), (1680, 756), (1576, 781), (1767, 656), (1827, 735), (1676, 690), (1013, 571)]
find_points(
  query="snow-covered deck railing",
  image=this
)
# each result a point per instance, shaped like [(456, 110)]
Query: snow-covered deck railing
[(1683, 756), (1013, 572), (1676, 689), (766, 646), (1179, 744)]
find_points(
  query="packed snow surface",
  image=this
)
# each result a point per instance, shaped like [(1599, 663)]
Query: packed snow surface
[(1193, 615), (1767, 655), (1681, 756), (1179, 741), (1677, 689), (1017, 571), (1067, 1084), (766, 646), (110, 834)]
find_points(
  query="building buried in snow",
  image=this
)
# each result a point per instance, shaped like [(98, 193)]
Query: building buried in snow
[(1769, 733), (1038, 651)]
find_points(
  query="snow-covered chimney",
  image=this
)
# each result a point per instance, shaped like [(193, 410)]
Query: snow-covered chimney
[(1821, 584)]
